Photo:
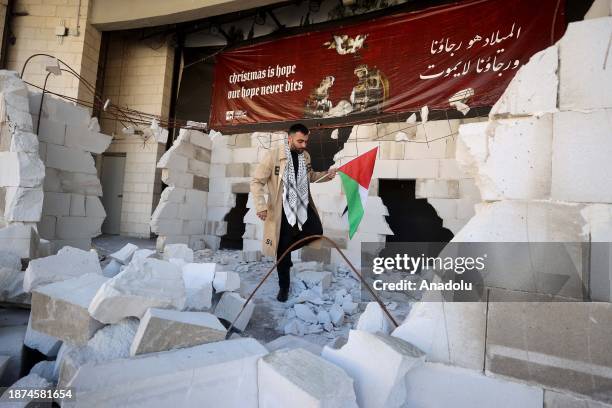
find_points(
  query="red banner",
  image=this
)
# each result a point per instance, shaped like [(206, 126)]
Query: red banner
[(464, 53)]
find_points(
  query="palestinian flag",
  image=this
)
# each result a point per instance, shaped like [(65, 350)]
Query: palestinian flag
[(356, 176)]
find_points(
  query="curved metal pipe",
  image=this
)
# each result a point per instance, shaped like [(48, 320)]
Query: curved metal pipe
[(288, 251)]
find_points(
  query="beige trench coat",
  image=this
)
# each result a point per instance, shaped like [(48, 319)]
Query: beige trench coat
[(269, 173)]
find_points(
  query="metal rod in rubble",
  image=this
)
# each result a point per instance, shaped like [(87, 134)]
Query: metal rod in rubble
[(287, 251)]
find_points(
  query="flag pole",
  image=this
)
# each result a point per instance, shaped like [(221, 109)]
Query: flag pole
[(321, 178)]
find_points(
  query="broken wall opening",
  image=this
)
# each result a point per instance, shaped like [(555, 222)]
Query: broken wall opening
[(235, 223), (411, 219)]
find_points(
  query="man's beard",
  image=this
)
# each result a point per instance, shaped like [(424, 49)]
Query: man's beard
[(297, 149)]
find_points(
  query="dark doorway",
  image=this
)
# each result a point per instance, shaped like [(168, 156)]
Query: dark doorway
[(411, 219), (235, 224)]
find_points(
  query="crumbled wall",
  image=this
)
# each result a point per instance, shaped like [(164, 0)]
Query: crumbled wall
[(181, 213), (542, 165), (21, 170), (72, 212)]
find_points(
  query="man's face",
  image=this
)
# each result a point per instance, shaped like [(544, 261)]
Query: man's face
[(298, 142)]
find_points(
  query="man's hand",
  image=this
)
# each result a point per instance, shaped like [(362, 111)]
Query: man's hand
[(263, 215), (331, 173)]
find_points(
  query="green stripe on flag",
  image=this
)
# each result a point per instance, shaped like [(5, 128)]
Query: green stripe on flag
[(353, 200)]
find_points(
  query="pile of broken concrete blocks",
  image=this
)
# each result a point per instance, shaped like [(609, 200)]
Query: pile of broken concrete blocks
[(312, 308), (85, 315)]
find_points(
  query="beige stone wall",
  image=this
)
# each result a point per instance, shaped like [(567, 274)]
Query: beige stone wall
[(35, 33), (138, 75)]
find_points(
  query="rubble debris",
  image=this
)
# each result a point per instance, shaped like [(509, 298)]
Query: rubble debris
[(68, 263), (378, 364), (219, 374), (305, 313), (290, 342), (29, 382), (230, 305), (124, 255), (109, 343), (112, 268), (319, 281), (162, 330), (250, 256), (226, 282), (11, 342), (374, 320), (336, 314), (198, 278), (179, 251), (156, 283), (60, 309), (45, 370), (299, 378), (48, 345)]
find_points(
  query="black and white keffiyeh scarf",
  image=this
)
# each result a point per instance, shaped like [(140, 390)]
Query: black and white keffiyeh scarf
[(295, 191)]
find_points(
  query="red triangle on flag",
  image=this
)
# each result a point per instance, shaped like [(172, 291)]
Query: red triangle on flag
[(361, 168)]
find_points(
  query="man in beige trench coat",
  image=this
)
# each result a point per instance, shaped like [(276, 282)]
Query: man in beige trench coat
[(290, 214)]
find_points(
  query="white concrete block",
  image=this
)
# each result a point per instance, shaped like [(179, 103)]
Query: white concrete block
[(378, 364), (60, 309), (221, 156), (244, 154), (48, 345), (466, 389), (222, 199), (374, 320), (230, 306), (524, 174), (533, 90), (71, 228), (82, 138), (181, 251), (422, 168), (173, 160), (437, 188), (124, 255), (94, 207), (177, 179), (109, 343), (163, 330), (173, 195), (581, 149), (21, 169), (68, 159), (584, 74), (154, 284), (20, 238), (77, 205), (299, 378), (52, 131), (199, 168), (199, 139), (25, 142), (68, 263), (386, 169), (23, 204), (198, 278), (220, 374), (226, 281), (56, 204)]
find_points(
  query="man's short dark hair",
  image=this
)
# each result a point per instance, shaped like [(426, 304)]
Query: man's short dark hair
[(298, 127)]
